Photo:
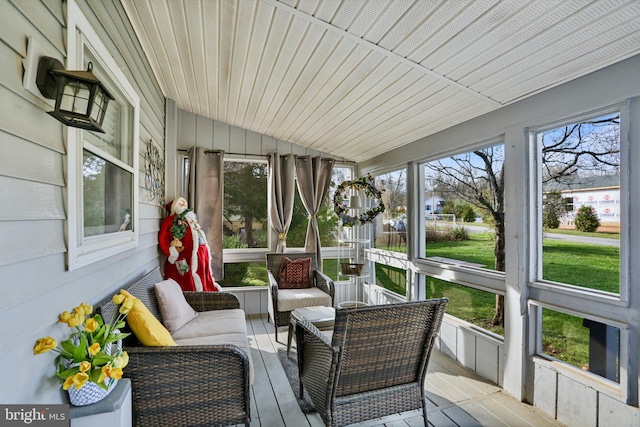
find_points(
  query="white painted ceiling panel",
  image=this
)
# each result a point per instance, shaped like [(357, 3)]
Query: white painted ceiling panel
[(357, 78)]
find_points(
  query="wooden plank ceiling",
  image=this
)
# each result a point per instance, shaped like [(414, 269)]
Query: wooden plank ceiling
[(357, 78)]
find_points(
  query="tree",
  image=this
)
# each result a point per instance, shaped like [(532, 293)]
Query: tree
[(394, 191), (587, 219), (478, 178), (587, 148), (245, 195)]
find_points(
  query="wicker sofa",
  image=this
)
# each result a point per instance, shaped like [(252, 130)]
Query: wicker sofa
[(203, 380)]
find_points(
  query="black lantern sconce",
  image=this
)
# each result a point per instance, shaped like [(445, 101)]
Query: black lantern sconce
[(81, 100)]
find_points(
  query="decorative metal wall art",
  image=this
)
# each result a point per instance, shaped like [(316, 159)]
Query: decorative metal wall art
[(154, 174)]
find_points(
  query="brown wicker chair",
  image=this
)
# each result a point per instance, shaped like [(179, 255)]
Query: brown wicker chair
[(320, 281), (185, 385), (375, 363)]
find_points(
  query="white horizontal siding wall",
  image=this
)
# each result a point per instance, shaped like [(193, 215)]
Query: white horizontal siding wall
[(36, 286)]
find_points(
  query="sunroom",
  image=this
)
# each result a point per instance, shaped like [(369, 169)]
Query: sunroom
[(487, 125)]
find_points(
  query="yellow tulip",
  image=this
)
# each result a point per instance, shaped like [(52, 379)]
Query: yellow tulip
[(44, 344), (127, 305), (64, 317), (117, 299), (67, 383), (76, 319), (79, 380), (90, 325), (88, 309), (94, 349), (84, 366), (104, 374), (115, 373), (79, 310), (121, 361)]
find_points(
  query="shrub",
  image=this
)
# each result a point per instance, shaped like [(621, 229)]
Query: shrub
[(447, 234), (468, 214), (459, 233), (550, 217), (232, 242), (587, 219)]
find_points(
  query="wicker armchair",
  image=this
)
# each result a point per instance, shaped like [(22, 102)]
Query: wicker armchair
[(185, 385), (298, 298), (375, 363)]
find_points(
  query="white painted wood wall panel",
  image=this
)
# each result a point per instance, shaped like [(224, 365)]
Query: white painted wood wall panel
[(612, 412), (486, 358), (577, 404), (545, 389)]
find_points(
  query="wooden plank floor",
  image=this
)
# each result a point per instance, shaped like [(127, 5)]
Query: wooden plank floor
[(457, 397)]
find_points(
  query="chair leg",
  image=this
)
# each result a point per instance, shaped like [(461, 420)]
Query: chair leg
[(424, 412)]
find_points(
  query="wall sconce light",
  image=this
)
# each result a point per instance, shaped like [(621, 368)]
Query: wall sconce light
[(81, 100)]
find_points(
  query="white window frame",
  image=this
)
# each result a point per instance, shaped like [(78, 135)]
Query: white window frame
[(84, 251), (248, 254), (562, 289)]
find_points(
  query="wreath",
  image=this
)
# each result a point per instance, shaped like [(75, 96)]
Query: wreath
[(340, 198)]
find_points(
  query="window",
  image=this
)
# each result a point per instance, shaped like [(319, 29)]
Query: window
[(102, 168), (245, 215), (586, 344), (579, 171), (472, 305), (464, 209), (391, 225)]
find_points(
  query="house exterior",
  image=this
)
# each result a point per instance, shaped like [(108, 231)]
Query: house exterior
[(600, 192), (433, 205), (47, 266)]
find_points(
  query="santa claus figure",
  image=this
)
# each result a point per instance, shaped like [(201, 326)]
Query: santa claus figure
[(184, 244)]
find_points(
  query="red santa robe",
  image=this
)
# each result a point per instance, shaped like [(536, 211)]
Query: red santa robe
[(195, 255)]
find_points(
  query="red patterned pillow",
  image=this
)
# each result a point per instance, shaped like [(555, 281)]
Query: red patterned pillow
[(295, 274)]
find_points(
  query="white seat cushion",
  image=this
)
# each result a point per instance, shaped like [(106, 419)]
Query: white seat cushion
[(290, 299), (215, 322)]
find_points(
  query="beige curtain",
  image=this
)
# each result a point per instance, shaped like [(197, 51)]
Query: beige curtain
[(281, 195), (204, 194), (314, 179)]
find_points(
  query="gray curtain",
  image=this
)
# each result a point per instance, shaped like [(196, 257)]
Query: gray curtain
[(282, 192), (314, 179), (204, 195)]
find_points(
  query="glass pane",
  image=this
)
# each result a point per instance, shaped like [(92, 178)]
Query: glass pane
[(392, 278), (391, 225), (245, 205), (107, 196), (117, 125), (244, 274), (75, 98), (464, 209), (580, 172), (586, 344), (472, 305)]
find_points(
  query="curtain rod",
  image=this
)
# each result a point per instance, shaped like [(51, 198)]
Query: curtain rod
[(181, 150)]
